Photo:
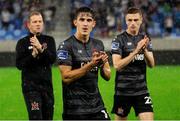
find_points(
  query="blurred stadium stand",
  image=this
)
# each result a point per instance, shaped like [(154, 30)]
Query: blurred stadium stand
[(161, 22)]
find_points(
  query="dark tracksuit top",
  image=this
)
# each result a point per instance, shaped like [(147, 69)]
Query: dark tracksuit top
[(36, 72)]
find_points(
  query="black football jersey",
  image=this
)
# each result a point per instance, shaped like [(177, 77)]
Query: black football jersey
[(81, 96), (131, 80)]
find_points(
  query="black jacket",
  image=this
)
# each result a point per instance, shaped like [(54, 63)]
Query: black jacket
[(36, 72)]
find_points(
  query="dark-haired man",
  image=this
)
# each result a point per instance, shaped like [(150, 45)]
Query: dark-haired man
[(79, 58)]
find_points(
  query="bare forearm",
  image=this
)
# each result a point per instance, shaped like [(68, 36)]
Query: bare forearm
[(106, 71), (149, 58), (124, 62), (72, 75)]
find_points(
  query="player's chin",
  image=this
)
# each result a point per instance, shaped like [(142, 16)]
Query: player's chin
[(133, 28), (85, 33), (39, 30)]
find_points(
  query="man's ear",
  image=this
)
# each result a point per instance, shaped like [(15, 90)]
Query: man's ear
[(27, 25), (94, 24), (75, 22), (141, 18)]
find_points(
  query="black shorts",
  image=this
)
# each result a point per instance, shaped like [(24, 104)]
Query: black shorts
[(101, 115), (140, 103)]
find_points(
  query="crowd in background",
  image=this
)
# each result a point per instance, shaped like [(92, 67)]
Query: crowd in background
[(161, 17), (14, 13)]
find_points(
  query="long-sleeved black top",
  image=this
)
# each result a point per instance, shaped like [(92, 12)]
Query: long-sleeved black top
[(36, 72)]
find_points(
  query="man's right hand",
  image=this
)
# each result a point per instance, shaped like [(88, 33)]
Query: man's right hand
[(35, 42), (34, 52), (142, 44), (96, 58)]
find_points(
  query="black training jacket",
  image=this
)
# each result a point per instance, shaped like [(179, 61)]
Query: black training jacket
[(36, 72)]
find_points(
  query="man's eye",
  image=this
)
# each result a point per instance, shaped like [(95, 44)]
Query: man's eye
[(81, 19), (135, 19), (89, 20)]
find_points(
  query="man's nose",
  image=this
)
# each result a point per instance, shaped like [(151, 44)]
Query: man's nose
[(85, 23), (133, 22)]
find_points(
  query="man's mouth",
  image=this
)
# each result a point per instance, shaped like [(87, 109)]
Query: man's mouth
[(85, 29), (133, 27)]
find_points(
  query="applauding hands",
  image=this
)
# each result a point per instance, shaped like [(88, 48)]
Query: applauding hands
[(37, 47)]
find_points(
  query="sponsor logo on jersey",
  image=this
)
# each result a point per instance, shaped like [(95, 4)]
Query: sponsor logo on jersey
[(129, 43), (79, 51), (139, 57), (94, 69), (30, 47), (62, 54), (115, 45)]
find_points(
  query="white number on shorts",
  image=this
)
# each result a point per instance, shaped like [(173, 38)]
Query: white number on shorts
[(148, 100), (105, 114)]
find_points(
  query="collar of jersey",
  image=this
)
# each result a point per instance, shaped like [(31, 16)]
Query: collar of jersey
[(31, 34), (80, 40), (131, 35)]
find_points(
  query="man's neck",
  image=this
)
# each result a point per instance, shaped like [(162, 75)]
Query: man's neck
[(35, 33), (82, 38), (133, 33)]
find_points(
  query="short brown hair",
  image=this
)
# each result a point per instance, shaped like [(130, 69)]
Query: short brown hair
[(134, 10), (32, 13)]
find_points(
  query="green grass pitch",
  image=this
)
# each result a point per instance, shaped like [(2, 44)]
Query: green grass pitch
[(163, 83)]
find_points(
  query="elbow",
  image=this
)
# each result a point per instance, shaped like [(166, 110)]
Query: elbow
[(106, 74), (107, 77), (66, 80), (19, 66), (116, 67), (151, 65), (53, 60)]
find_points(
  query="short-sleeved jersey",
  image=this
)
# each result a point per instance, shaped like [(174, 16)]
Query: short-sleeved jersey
[(81, 96), (131, 80)]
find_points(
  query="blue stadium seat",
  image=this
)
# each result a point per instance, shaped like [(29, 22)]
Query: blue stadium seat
[(17, 34), (2, 34), (9, 35)]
